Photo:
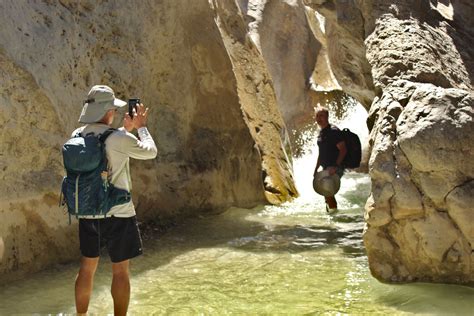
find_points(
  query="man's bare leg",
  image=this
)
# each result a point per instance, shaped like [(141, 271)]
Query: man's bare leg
[(120, 287), (331, 202), (84, 282)]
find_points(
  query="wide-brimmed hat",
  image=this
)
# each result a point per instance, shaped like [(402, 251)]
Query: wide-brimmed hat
[(100, 99), (326, 184)]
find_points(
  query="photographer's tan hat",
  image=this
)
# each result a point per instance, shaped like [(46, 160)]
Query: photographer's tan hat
[(100, 99), (326, 184)]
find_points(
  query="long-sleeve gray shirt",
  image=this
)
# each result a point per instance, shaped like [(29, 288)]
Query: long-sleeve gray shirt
[(120, 146)]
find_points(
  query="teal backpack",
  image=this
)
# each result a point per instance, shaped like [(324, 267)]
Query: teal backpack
[(86, 189)]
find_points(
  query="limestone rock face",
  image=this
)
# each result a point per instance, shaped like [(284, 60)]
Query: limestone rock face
[(345, 34), (421, 140), (211, 121), (258, 102), (422, 183), (421, 118), (282, 32)]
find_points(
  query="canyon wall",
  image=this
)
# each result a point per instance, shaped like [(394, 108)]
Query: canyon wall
[(420, 213), (180, 61), (227, 81)]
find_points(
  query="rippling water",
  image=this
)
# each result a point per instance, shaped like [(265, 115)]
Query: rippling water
[(292, 259)]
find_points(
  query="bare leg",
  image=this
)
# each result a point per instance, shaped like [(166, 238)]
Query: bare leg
[(331, 202), (120, 287), (84, 282)]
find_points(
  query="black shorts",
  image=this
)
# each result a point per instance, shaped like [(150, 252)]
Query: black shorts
[(120, 235)]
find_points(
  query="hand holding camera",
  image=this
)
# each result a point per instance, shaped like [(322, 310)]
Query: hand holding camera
[(136, 116), (133, 106)]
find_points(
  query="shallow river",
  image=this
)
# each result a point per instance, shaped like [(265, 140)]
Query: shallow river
[(292, 259)]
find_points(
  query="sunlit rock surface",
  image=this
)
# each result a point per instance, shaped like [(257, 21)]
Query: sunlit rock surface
[(258, 102), (422, 179), (345, 31), (220, 144), (283, 34)]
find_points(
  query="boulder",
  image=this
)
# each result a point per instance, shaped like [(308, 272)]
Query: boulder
[(424, 165)]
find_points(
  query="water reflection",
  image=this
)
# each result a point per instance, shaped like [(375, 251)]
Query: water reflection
[(302, 238)]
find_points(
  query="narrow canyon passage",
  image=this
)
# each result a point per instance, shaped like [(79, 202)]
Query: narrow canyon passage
[(227, 83), (290, 259)]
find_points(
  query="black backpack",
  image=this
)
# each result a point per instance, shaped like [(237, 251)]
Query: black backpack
[(354, 149)]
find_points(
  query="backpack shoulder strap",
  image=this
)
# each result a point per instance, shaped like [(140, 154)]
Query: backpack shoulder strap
[(102, 137), (79, 132), (106, 134)]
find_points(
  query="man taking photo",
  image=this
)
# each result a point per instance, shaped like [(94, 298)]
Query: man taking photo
[(118, 229)]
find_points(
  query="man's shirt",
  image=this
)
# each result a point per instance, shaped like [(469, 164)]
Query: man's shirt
[(328, 138)]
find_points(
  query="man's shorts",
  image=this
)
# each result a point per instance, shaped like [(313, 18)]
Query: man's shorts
[(340, 172), (120, 235)]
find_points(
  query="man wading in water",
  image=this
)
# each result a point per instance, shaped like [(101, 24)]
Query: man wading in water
[(118, 231), (332, 150)]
